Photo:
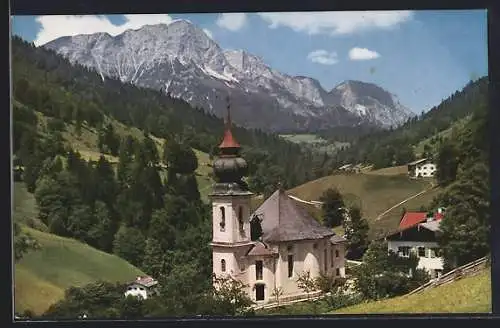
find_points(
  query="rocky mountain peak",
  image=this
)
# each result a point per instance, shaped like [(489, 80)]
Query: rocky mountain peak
[(179, 58)]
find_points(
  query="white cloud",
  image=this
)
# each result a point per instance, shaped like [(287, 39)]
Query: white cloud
[(323, 57), (362, 54), (232, 21), (208, 33), (339, 22), (54, 26)]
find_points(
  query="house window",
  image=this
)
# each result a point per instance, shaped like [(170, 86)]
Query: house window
[(404, 251), (223, 265), (222, 218), (315, 246), (421, 251), (337, 272), (331, 258), (290, 266), (240, 217), (337, 254), (289, 248), (258, 270), (433, 252)]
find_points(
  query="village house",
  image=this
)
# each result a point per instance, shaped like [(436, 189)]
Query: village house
[(269, 248), (142, 287), (417, 234), (422, 168)]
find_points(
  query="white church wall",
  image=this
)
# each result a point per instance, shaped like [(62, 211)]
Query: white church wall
[(231, 265), (267, 278), (231, 232)]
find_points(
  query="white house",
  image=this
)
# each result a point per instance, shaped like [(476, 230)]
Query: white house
[(291, 240), (422, 168), (142, 287), (417, 233)]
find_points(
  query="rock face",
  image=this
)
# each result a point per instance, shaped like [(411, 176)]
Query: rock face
[(181, 60)]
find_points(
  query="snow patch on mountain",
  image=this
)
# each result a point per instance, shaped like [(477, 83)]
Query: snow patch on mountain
[(179, 58)]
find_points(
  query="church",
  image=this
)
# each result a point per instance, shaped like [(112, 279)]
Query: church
[(269, 248)]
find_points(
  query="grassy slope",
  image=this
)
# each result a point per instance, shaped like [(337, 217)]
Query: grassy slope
[(42, 276), (468, 295), (395, 170), (86, 144), (318, 143), (374, 193)]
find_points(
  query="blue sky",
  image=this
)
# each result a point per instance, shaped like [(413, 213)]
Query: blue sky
[(421, 56)]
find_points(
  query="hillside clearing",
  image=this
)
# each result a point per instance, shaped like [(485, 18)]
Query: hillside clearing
[(395, 170), (468, 295), (373, 193), (390, 220), (42, 276)]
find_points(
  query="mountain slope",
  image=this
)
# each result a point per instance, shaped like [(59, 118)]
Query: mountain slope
[(42, 276), (401, 145), (180, 59)]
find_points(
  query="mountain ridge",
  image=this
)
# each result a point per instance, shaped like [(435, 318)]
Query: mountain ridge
[(182, 60)]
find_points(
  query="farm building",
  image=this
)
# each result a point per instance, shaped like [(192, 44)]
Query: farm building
[(422, 168), (142, 287), (418, 233)]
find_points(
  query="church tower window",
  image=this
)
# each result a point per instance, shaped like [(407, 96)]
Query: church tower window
[(240, 218), (223, 265), (290, 266), (222, 218)]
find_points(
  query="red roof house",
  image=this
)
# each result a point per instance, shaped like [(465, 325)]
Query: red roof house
[(410, 219)]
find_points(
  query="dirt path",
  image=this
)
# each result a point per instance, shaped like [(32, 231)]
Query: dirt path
[(432, 186)]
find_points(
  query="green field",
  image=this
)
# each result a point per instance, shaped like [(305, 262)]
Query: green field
[(388, 171), (373, 193), (467, 295), (42, 276), (315, 142), (303, 138)]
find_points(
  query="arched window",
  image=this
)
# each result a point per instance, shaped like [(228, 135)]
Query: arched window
[(222, 218), (223, 265), (240, 218)]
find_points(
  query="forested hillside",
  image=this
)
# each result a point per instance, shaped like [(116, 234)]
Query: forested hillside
[(397, 147)]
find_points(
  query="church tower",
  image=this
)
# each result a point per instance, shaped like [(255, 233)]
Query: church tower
[(230, 208)]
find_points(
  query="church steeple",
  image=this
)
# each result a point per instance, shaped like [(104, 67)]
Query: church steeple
[(229, 145), (229, 167)]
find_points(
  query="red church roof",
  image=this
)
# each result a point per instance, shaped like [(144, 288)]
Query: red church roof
[(229, 141)]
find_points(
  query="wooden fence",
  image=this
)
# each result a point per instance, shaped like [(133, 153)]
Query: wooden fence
[(465, 270)]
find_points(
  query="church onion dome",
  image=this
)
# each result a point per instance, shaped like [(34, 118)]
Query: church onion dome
[(229, 166), (230, 169)]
